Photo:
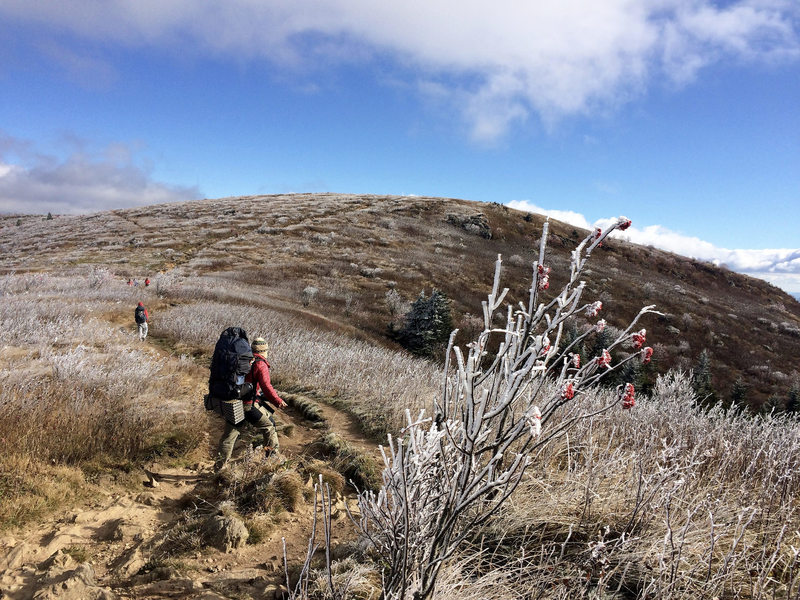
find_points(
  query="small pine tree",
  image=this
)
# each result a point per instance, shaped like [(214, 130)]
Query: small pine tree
[(442, 316), (773, 405), (701, 380), (572, 333), (631, 372), (428, 324), (602, 340), (793, 402), (739, 392)]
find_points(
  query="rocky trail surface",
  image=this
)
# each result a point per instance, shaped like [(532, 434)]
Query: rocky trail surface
[(108, 549)]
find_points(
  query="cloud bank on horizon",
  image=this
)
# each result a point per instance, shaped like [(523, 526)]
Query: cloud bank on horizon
[(84, 182), (498, 66), (780, 266)]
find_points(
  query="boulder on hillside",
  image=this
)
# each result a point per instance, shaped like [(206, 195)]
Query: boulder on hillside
[(13, 555), (129, 563), (225, 533), (477, 224), (61, 578)]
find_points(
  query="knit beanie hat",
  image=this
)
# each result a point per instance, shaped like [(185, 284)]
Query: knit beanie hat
[(259, 345)]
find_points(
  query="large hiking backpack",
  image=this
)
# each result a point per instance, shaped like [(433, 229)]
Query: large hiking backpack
[(138, 314), (229, 364)]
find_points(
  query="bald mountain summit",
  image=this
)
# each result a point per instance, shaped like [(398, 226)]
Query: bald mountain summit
[(358, 262)]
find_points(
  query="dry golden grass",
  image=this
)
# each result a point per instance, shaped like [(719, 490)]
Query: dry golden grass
[(81, 396), (31, 489), (317, 469), (356, 466), (288, 489), (662, 501)]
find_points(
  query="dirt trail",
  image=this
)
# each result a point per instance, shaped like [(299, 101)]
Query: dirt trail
[(101, 551)]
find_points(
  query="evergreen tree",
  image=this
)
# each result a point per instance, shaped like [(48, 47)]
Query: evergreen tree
[(428, 324), (773, 405), (793, 402), (701, 380), (602, 340), (739, 391), (572, 333), (630, 372)]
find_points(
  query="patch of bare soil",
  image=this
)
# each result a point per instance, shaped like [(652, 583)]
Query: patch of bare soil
[(106, 550)]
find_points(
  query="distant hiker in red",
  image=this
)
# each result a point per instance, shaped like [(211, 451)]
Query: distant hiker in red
[(141, 317), (146, 282), (130, 282)]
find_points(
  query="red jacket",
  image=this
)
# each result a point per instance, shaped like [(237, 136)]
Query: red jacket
[(259, 375)]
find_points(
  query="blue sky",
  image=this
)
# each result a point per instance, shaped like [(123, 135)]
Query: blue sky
[(680, 114)]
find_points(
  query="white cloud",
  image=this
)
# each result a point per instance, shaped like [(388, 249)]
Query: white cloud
[(81, 184), (567, 216), (499, 62), (781, 267)]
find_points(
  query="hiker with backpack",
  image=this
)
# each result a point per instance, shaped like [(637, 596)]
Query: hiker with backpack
[(140, 316), (232, 391), (265, 394)]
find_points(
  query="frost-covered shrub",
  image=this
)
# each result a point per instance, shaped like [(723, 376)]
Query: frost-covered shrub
[(309, 294), (453, 470), (790, 329), (395, 303), (167, 283), (371, 271), (690, 503)]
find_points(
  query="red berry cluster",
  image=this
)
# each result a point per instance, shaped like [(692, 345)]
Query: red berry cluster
[(628, 399)]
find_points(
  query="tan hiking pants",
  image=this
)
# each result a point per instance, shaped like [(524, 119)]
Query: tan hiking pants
[(259, 418)]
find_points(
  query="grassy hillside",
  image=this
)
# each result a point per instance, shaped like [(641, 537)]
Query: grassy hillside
[(664, 501), (339, 255)]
